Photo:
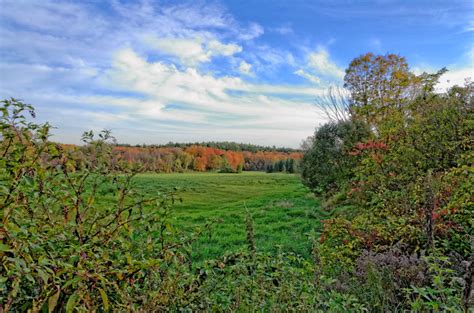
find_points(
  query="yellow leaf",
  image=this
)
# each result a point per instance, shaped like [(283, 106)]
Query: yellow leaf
[(53, 301), (105, 299), (71, 303)]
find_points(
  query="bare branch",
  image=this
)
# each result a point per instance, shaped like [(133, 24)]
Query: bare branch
[(335, 104)]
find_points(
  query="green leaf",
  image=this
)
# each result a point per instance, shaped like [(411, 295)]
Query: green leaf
[(53, 301), (105, 299), (4, 248), (44, 276), (28, 180), (71, 303), (72, 281)]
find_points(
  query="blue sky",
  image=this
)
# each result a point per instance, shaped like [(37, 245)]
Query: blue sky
[(246, 71)]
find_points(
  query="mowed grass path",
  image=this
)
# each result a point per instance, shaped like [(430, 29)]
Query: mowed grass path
[(283, 210)]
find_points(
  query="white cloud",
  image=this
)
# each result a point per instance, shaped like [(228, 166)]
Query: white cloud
[(320, 69), (51, 17), (208, 100), (455, 77), (312, 78), (217, 48), (253, 31), (267, 60), (470, 26), (457, 73), (192, 51), (245, 68), (320, 62), (199, 15), (85, 68), (189, 51), (283, 30)]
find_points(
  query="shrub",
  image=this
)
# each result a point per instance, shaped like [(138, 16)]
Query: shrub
[(326, 165), (384, 275), (406, 181), (58, 250), (443, 294)]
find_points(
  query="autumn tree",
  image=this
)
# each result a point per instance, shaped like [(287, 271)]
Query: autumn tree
[(199, 164), (378, 84), (215, 162), (226, 167)]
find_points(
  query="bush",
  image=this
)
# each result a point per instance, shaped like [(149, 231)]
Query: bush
[(444, 293), (406, 181), (58, 250), (384, 275), (327, 165)]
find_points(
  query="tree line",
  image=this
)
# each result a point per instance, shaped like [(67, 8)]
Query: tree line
[(194, 158), (223, 145)]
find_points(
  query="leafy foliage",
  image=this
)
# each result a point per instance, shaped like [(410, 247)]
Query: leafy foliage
[(406, 181), (326, 166), (58, 249), (187, 158), (226, 145)]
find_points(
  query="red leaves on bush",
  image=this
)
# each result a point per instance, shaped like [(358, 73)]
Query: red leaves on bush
[(353, 190), (345, 233), (369, 145), (443, 212), (322, 239)]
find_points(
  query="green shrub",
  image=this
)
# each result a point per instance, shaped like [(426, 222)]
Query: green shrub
[(444, 294), (327, 165), (58, 250), (408, 181)]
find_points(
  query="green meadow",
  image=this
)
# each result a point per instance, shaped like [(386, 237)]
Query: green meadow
[(283, 210)]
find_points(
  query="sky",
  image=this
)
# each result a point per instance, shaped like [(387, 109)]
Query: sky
[(244, 71)]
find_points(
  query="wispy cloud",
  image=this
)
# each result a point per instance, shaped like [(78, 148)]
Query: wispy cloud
[(319, 68), (192, 51), (245, 68), (312, 78), (458, 73), (469, 27), (144, 73), (322, 64), (166, 84), (283, 29), (253, 31)]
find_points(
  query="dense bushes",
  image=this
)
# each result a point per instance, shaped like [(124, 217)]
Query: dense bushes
[(325, 166), (284, 165), (59, 250), (406, 182), (227, 145)]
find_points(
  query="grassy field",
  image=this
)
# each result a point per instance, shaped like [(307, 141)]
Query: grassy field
[(283, 210)]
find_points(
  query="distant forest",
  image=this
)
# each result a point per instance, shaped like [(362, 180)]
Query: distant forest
[(226, 157), (223, 145)]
